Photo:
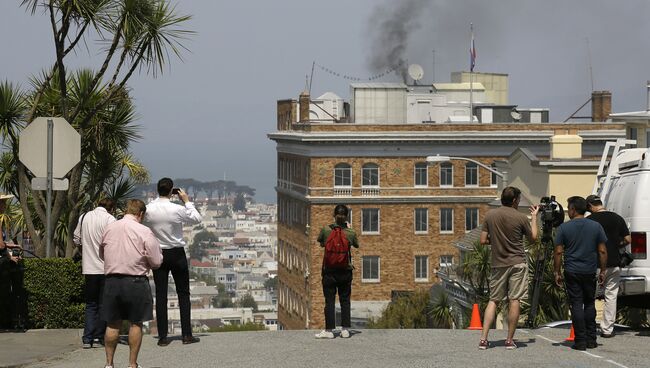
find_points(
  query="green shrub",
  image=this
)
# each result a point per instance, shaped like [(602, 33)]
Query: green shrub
[(54, 289), (248, 326)]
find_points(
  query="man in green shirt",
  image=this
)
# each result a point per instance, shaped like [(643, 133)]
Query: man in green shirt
[(337, 239)]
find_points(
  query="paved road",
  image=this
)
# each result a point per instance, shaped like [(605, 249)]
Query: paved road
[(374, 348), (19, 349)]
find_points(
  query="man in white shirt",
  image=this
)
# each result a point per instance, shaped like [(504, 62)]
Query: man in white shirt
[(166, 220), (88, 235)]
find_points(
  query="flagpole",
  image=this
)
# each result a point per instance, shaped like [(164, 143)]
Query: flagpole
[(471, 75)]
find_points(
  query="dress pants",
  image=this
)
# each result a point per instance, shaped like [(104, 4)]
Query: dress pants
[(581, 289), (174, 261), (94, 325), (337, 280), (612, 279)]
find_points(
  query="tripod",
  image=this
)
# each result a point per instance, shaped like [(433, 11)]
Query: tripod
[(540, 263)]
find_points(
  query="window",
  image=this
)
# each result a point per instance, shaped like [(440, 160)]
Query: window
[(471, 174), (342, 175), (446, 174), (446, 260), (370, 269), (446, 220), (421, 268), (370, 175), (421, 220), (634, 135), (370, 221), (471, 218), (494, 178), (421, 177), (647, 138)]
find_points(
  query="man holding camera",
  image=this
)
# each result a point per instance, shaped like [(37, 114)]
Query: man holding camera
[(618, 236), (166, 220), (504, 228), (582, 242)]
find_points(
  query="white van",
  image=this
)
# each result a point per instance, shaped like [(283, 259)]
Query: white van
[(623, 183)]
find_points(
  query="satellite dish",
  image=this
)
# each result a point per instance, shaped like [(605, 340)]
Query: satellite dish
[(416, 72), (516, 115)]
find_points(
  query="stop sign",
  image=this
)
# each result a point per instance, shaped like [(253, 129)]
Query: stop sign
[(66, 147)]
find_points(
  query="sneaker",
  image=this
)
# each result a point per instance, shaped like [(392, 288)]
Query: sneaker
[(483, 345), (607, 336), (345, 333), (97, 343), (87, 345), (510, 345), (325, 335)]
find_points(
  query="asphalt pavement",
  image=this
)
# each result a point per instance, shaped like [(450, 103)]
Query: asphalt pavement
[(371, 348)]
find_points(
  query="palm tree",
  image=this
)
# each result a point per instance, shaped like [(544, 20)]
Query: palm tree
[(137, 35)]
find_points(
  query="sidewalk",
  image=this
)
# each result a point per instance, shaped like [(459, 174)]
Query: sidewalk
[(22, 348)]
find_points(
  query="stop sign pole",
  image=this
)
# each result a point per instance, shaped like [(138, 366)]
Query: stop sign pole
[(48, 196)]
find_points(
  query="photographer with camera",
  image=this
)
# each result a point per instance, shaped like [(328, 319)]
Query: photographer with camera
[(12, 293), (582, 242), (618, 236), (504, 229)]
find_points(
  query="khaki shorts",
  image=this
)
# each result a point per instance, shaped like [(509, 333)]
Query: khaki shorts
[(510, 282)]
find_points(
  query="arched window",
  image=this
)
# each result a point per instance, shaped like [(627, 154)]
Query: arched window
[(342, 175), (370, 175)]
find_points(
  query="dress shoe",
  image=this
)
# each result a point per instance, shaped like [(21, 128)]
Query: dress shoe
[(190, 340), (582, 346), (592, 344), (606, 336), (163, 341)]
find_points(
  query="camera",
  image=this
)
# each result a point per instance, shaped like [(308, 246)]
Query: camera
[(551, 212), (176, 190), (625, 259), (16, 252)]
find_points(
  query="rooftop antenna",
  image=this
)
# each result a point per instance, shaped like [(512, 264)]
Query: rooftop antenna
[(312, 75), (433, 64), (416, 72)]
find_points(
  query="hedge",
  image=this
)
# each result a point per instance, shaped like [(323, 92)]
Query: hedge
[(54, 289)]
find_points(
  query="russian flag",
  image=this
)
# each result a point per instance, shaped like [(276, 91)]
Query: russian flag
[(472, 51)]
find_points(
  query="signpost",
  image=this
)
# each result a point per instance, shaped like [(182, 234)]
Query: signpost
[(49, 147)]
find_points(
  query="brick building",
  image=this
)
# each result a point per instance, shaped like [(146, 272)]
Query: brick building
[(407, 214)]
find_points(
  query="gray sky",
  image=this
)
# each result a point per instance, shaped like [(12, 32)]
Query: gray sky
[(210, 114)]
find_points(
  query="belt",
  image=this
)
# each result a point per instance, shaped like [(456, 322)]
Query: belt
[(122, 276)]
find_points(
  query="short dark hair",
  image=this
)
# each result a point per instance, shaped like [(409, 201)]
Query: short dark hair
[(135, 207), (594, 200), (509, 195), (107, 203), (578, 203), (165, 186), (341, 209)]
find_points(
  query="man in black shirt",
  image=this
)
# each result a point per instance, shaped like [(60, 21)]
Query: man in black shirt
[(618, 236)]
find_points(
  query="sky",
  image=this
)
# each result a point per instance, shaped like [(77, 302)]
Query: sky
[(208, 115)]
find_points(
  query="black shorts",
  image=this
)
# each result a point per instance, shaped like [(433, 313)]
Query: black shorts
[(127, 298)]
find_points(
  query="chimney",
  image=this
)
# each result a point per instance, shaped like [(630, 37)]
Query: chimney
[(304, 100), (565, 145), (601, 105)]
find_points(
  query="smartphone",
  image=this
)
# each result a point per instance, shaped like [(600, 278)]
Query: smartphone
[(176, 190)]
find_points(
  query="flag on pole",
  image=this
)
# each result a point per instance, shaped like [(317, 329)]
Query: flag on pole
[(472, 50)]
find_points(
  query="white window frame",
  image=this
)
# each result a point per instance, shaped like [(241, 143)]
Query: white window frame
[(494, 178), (468, 165), (452, 221), (449, 165), (378, 222), (415, 175), (349, 169), (415, 221), (477, 217), (445, 264), (415, 268), (370, 166), (371, 280)]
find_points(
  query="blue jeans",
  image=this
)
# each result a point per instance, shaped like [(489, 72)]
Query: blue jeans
[(94, 326), (581, 289)]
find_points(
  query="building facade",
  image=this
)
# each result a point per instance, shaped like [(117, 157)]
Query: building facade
[(407, 214)]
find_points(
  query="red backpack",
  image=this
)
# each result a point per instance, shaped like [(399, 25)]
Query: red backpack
[(337, 249)]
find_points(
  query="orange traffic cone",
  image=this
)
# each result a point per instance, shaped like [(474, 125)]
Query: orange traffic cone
[(475, 323), (572, 335)]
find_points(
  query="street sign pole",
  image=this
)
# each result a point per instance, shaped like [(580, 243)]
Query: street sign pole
[(50, 164)]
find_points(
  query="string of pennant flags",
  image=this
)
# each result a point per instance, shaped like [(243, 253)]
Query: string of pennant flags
[(355, 78)]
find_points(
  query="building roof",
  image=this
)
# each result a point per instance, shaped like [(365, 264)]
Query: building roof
[(329, 96), (204, 290), (379, 85), (197, 263), (468, 241), (458, 86), (644, 115)]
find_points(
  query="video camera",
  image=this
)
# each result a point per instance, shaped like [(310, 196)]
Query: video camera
[(16, 252), (552, 213)]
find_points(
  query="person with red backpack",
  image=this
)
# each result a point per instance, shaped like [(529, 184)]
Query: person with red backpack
[(337, 239)]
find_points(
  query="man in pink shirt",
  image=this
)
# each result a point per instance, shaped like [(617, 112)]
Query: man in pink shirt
[(129, 250)]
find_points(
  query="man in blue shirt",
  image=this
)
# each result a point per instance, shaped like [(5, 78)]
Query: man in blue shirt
[(582, 242)]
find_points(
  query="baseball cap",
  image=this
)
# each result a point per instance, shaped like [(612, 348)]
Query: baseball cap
[(594, 200)]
